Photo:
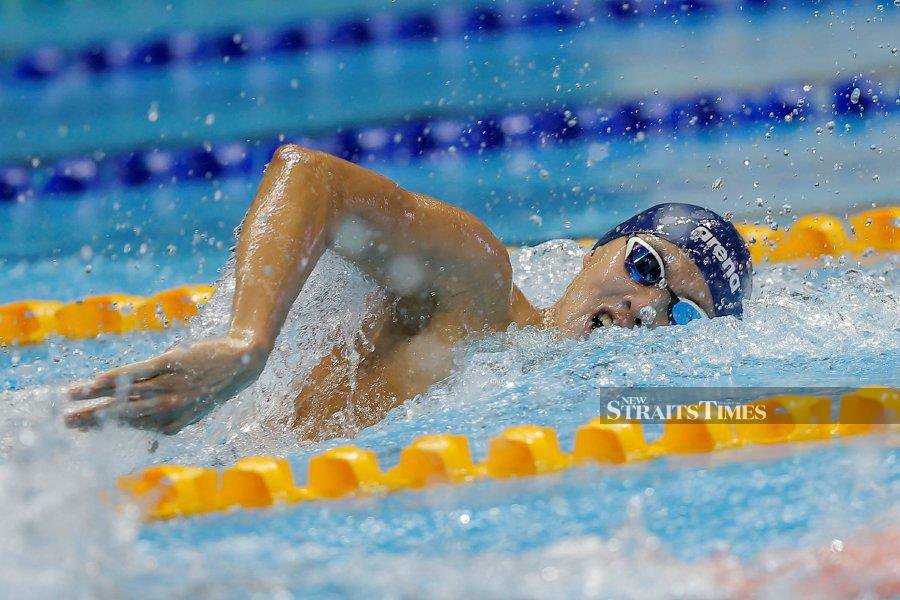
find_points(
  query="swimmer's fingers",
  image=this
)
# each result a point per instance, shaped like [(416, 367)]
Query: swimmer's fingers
[(147, 413), (90, 415), (165, 414), (108, 382), (159, 385), (94, 414)]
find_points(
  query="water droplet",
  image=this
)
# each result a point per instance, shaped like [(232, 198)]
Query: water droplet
[(647, 315), (27, 437)]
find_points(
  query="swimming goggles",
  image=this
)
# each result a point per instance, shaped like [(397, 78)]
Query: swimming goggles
[(646, 267)]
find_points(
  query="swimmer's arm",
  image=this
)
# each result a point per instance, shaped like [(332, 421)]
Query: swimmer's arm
[(415, 246), (282, 237)]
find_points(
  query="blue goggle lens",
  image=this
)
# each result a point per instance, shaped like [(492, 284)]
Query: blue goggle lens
[(643, 266)]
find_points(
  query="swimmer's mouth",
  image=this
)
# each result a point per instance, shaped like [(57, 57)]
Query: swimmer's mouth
[(601, 318)]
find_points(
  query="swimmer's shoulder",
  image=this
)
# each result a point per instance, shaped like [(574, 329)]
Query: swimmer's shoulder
[(470, 265)]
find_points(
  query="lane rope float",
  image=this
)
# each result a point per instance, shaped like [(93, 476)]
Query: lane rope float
[(33, 321), (168, 491)]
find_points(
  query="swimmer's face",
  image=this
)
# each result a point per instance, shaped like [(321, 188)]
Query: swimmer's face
[(603, 294)]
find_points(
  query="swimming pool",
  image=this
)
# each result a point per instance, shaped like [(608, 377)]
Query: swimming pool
[(655, 529)]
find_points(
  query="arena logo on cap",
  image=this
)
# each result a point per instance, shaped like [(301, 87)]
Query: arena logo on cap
[(729, 269)]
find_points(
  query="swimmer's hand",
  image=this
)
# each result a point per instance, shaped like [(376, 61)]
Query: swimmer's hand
[(170, 391)]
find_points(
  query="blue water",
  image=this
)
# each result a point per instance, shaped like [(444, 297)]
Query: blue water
[(826, 326), (142, 240), (647, 530)]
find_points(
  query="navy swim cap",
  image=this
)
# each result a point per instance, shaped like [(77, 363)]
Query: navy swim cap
[(710, 241)]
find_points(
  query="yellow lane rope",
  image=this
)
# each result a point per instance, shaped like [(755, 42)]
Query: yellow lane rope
[(32, 321), (166, 491)]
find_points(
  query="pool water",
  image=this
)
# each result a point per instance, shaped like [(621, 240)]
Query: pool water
[(591, 531), (150, 238), (696, 527)]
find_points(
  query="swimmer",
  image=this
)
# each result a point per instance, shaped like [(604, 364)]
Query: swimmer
[(447, 278)]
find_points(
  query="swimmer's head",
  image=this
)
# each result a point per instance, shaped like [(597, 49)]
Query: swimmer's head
[(666, 265)]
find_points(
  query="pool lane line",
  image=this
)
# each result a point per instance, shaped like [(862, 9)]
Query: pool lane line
[(168, 491), (706, 112), (241, 43), (33, 321)]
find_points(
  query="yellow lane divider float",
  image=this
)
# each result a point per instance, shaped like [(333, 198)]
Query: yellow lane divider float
[(32, 321), (817, 235), (167, 491)]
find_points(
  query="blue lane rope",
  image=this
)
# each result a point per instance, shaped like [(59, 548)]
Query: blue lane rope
[(414, 139), (48, 62)]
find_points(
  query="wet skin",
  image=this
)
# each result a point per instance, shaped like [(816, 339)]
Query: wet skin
[(447, 277)]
